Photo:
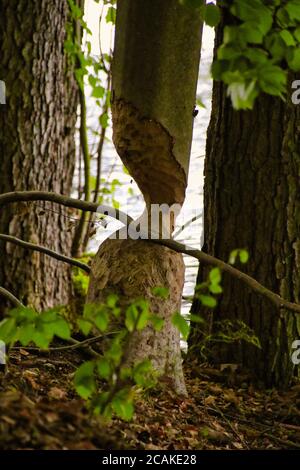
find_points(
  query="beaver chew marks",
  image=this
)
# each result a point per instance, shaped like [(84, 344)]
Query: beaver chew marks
[(146, 149)]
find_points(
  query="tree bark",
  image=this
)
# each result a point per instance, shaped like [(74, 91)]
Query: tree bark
[(118, 269), (36, 145), (252, 201), (154, 78)]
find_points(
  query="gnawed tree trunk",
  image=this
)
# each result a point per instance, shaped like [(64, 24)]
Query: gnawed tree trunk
[(161, 267), (252, 200), (36, 145), (155, 70)]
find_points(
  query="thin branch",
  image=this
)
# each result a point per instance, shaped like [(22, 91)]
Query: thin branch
[(8, 295), (27, 196), (46, 251), (74, 344), (183, 227), (99, 162), (81, 228), (278, 301)]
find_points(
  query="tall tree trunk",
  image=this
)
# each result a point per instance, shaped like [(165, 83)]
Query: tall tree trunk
[(155, 70), (36, 144), (252, 201)]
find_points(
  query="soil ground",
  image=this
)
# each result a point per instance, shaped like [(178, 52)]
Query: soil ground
[(39, 409)]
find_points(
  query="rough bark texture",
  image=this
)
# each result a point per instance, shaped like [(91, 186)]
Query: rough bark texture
[(154, 78), (160, 267), (36, 144), (252, 200)]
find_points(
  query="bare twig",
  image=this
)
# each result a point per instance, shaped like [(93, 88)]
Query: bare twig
[(8, 295), (74, 344), (81, 228), (276, 299), (46, 251), (183, 227), (27, 196)]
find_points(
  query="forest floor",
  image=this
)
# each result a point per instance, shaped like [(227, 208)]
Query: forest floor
[(39, 409)]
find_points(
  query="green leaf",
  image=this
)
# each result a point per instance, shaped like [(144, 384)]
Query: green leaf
[(41, 339), (215, 289), (104, 368), (104, 120), (112, 300), (254, 11), (162, 292), (84, 380), (142, 373), (211, 14), (26, 334), (111, 15), (130, 319), (244, 256), (97, 314), (287, 37), (142, 320), (62, 329), (233, 256), (252, 33), (208, 301), (215, 276), (23, 314), (98, 91), (196, 318), (242, 95), (200, 103), (272, 79), (228, 53), (7, 330), (157, 322), (294, 62), (84, 326), (101, 320), (180, 322), (115, 351), (293, 9), (123, 408), (297, 34)]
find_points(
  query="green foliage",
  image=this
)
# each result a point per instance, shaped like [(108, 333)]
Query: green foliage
[(161, 292), (118, 381), (107, 383), (96, 69), (259, 47), (226, 331), (242, 254), (182, 324), (210, 13), (111, 15), (80, 282), (206, 290), (26, 326)]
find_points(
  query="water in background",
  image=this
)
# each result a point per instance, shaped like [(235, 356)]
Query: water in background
[(128, 194)]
